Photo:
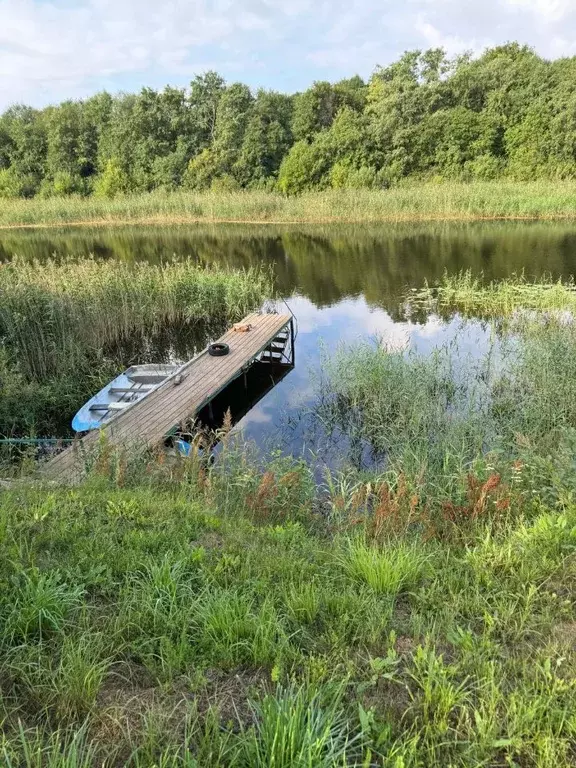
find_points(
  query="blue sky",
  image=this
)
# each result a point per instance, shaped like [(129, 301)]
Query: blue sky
[(56, 49)]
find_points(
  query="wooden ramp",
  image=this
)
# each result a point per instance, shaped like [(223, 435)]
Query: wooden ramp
[(148, 421)]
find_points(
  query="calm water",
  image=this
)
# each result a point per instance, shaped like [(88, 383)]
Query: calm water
[(342, 283)]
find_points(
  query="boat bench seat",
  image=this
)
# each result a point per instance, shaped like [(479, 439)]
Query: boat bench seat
[(110, 406), (147, 378)]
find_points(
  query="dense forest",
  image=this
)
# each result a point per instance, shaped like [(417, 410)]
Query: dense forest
[(508, 113)]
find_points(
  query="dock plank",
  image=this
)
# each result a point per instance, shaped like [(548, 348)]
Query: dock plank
[(147, 421)]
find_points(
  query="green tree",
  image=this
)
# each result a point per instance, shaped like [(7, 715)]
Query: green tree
[(203, 99), (117, 146), (10, 184), (96, 113), (314, 110), (112, 181), (234, 109), (507, 112), (26, 148), (6, 146), (304, 168), (201, 171), (266, 140), (308, 165), (163, 142), (63, 135), (351, 92)]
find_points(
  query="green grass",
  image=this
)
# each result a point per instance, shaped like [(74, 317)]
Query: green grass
[(169, 622), (241, 614), (52, 314), (389, 570), (450, 429), (469, 295), (412, 201), (67, 326)]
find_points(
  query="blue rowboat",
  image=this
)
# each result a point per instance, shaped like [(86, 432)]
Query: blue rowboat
[(126, 389)]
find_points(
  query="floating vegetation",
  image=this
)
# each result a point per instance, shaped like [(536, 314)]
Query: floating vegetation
[(468, 294)]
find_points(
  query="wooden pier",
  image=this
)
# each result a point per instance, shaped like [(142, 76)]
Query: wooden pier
[(146, 422)]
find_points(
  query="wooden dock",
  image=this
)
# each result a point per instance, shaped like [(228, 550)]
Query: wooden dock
[(147, 422)]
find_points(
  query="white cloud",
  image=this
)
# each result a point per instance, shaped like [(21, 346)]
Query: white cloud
[(547, 25), (49, 49), (452, 44), (53, 49), (547, 10)]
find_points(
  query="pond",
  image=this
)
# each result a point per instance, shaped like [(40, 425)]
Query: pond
[(343, 283)]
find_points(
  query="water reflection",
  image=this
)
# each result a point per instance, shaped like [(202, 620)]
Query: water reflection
[(343, 283), (284, 418), (174, 343), (329, 264)]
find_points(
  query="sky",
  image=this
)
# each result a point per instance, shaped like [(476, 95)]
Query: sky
[(52, 50)]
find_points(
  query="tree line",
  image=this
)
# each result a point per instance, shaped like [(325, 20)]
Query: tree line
[(506, 114)]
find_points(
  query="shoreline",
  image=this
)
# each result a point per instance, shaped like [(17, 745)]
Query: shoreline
[(419, 203), (150, 221)]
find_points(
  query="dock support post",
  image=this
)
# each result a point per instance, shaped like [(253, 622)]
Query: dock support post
[(292, 341)]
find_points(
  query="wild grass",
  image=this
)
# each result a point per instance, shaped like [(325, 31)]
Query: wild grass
[(195, 634), (240, 614), (64, 324), (458, 432), (470, 295), (296, 727), (419, 414), (55, 313), (407, 202), (388, 570)]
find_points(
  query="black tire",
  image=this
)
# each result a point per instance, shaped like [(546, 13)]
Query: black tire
[(218, 350)]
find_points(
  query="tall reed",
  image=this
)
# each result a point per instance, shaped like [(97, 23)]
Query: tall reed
[(412, 201), (55, 315), (438, 418), (470, 295)]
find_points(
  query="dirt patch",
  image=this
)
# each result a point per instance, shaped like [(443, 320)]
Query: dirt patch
[(390, 700), (230, 693), (565, 633), (130, 699), (405, 645), (210, 540)]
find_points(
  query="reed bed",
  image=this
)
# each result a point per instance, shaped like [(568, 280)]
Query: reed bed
[(55, 314), (413, 411), (435, 419), (468, 294), (424, 201), (68, 326)]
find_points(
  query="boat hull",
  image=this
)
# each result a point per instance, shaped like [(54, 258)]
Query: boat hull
[(128, 388)]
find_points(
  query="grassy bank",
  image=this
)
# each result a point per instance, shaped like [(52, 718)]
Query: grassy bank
[(174, 616), (67, 325), (415, 202)]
